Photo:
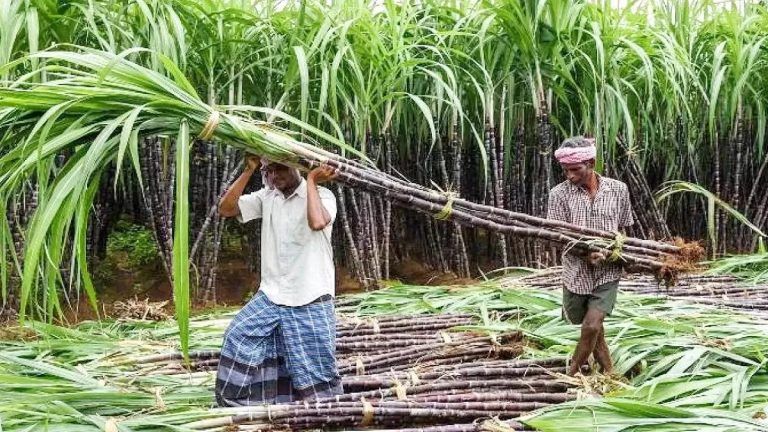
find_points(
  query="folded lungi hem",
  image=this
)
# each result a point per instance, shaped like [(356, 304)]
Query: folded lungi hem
[(242, 385)]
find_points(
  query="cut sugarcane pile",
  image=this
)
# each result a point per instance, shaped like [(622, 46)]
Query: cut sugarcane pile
[(700, 368), (717, 290), (461, 395), (400, 371)]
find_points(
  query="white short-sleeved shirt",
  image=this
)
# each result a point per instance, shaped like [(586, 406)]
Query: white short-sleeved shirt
[(296, 262)]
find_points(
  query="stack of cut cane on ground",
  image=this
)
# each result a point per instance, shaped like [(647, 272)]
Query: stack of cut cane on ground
[(718, 290), (404, 372)]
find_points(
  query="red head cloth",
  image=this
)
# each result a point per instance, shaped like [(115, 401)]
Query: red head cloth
[(570, 155)]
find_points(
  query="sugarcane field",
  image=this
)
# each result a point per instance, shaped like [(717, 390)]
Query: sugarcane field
[(384, 215)]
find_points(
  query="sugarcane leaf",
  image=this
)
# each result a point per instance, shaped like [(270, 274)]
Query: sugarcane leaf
[(51, 369), (69, 186), (687, 360), (180, 238), (667, 388), (674, 187), (178, 76), (424, 108), (301, 63), (126, 137), (83, 212)]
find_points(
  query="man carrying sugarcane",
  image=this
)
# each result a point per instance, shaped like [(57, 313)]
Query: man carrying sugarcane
[(281, 346), (590, 283)]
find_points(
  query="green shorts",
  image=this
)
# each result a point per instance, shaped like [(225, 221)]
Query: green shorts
[(575, 306)]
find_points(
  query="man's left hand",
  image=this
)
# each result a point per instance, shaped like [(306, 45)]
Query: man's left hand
[(323, 174), (596, 258)]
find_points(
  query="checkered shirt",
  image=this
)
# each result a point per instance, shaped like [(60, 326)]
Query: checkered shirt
[(610, 211)]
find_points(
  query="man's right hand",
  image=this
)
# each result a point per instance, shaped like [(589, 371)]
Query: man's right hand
[(228, 204), (252, 163)]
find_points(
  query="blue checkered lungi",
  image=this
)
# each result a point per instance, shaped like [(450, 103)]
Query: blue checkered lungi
[(274, 354)]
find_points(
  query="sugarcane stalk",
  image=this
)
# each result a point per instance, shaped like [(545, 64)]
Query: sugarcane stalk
[(549, 398), (535, 384), (375, 239), (494, 185), (387, 206)]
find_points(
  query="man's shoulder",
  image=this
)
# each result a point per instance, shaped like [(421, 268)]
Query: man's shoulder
[(560, 188), (265, 193), (262, 194), (613, 183)]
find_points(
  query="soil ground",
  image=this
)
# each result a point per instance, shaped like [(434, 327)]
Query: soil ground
[(236, 284)]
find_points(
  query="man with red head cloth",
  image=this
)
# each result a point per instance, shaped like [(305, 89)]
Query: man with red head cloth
[(590, 283)]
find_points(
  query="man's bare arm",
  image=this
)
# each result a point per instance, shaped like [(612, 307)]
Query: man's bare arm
[(317, 215), (228, 205)]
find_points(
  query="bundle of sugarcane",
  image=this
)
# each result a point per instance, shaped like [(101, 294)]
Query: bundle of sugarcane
[(383, 337), (492, 425), (469, 378), (383, 342), (446, 351), (400, 371), (138, 101), (433, 353), (398, 324), (461, 393), (721, 291), (480, 368), (440, 378), (460, 396), (664, 260), (551, 277)]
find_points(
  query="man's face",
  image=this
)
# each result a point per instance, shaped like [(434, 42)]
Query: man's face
[(281, 176), (578, 173)]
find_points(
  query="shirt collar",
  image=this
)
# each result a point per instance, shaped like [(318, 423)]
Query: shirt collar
[(600, 184), (301, 190)]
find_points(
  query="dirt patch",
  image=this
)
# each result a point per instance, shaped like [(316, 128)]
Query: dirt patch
[(235, 282), (117, 283), (412, 272), (11, 331)]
